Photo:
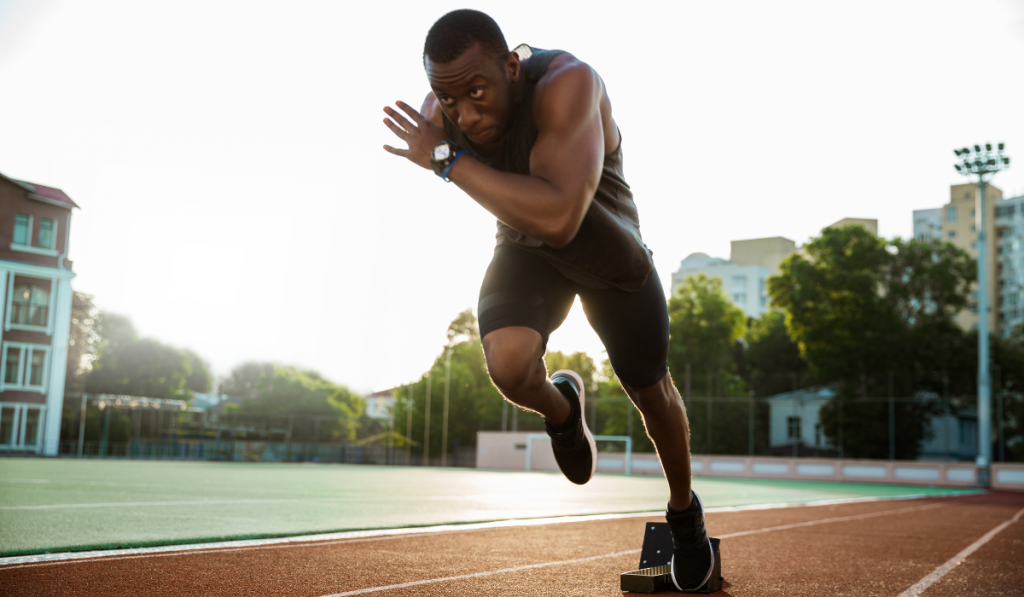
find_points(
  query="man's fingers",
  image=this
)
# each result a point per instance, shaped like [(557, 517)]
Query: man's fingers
[(399, 152), (412, 112), (402, 120), (397, 130)]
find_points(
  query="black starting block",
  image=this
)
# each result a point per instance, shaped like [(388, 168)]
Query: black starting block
[(655, 574)]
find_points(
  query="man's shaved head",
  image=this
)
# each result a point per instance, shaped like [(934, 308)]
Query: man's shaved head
[(456, 31)]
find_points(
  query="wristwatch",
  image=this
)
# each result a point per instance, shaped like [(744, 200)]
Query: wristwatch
[(443, 156)]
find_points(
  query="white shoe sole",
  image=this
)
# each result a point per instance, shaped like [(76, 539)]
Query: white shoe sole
[(583, 415)]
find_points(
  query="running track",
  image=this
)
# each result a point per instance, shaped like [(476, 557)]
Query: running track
[(971, 545)]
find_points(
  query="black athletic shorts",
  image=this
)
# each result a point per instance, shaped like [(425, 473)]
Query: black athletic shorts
[(522, 289)]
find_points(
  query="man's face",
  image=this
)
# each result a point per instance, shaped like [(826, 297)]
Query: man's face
[(476, 93)]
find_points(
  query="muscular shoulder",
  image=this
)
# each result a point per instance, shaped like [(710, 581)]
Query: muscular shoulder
[(431, 109), (569, 85)]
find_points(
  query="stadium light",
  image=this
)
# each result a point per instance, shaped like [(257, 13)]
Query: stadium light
[(985, 164)]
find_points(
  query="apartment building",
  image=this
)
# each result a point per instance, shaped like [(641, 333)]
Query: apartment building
[(35, 298), (956, 222), (1009, 246), (745, 285)]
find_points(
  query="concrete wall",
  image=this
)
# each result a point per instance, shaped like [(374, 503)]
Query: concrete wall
[(497, 450)]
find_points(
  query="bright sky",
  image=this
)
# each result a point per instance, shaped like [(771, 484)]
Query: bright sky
[(236, 200)]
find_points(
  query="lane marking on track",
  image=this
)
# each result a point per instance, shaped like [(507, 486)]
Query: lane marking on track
[(828, 520), (619, 553), (360, 499), (953, 562), (46, 559), (417, 583)]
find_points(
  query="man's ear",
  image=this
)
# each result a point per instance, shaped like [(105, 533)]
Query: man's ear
[(512, 67)]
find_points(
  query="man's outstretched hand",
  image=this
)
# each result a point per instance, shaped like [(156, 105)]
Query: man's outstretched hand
[(421, 136)]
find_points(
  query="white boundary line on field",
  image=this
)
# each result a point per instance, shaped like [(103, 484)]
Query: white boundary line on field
[(621, 553), (382, 534), (953, 562)]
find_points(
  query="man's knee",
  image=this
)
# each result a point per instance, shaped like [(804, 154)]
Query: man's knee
[(512, 355), (656, 400)]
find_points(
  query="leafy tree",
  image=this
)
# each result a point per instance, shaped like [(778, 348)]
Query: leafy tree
[(244, 379), (705, 327), (277, 393), (200, 380), (772, 357), (474, 403), (140, 368), (82, 341), (127, 364), (860, 307)]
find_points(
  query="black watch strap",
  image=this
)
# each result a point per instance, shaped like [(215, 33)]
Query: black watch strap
[(442, 156)]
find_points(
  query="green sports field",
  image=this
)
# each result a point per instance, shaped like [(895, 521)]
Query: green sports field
[(59, 505)]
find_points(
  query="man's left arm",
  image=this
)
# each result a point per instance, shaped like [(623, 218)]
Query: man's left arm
[(565, 163)]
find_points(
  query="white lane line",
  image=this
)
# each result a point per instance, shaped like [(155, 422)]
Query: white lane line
[(941, 571), (828, 520), (416, 583), (45, 559), (771, 506), (612, 555)]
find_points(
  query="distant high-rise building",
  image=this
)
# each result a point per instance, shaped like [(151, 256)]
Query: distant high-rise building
[(766, 252), (928, 224), (1009, 243), (1004, 224)]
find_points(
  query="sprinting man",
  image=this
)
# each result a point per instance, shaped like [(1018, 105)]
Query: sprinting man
[(529, 135)]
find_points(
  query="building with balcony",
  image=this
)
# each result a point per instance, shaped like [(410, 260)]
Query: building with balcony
[(35, 298)]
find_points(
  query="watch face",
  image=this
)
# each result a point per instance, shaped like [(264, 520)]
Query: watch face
[(441, 152)]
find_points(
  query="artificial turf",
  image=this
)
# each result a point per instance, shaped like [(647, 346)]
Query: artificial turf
[(66, 504)]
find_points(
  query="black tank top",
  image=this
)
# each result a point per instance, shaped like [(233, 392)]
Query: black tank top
[(608, 251)]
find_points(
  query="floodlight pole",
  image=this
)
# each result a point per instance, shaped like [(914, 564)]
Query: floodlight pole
[(984, 164)]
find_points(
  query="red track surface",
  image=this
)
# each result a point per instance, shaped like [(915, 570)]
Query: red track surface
[(888, 547)]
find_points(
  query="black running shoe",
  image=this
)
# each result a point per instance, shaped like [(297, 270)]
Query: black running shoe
[(693, 559), (574, 447)]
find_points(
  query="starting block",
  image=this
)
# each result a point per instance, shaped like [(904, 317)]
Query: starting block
[(654, 574)]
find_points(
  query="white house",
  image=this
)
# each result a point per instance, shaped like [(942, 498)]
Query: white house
[(794, 422)]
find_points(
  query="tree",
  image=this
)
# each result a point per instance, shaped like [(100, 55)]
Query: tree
[(141, 368), (772, 357), (874, 316), (82, 341), (705, 327), (127, 364), (200, 380), (474, 403), (244, 379)]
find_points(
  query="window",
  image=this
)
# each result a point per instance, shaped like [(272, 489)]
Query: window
[(950, 214), (739, 297), (739, 282), (30, 306), (793, 427), (817, 434), (12, 365), (952, 234), (47, 230), (22, 229), (24, 366)]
